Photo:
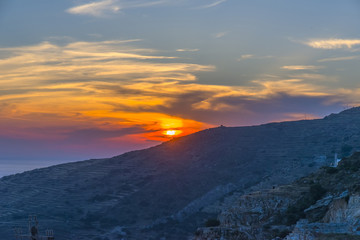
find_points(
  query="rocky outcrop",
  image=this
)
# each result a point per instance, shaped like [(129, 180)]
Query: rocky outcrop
[(249, 215), (345, 210), (222, 233), (256, 208), (342, 217), (261, 215)]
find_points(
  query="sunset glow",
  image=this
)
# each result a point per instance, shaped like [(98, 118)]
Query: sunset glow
[(172, 132), (119, 75)]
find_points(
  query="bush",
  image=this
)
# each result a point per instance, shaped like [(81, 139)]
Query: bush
[(350, 164), (316, 192), (284, 233), (212, 222), (296, 211), (331, 170)]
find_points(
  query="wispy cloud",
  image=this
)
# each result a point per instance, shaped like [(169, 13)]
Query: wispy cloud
[(139, 4), (105, 7), (335, 59), (301, 67), (251, 56), (78, 60), (115, 85), (214, 4), (312, 77), (187, 50), (246, 56), (78, 84), (220, 34), (332, 43), (97, 9)]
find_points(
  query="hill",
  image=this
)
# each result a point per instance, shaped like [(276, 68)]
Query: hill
[(323, 205), (165, 191)]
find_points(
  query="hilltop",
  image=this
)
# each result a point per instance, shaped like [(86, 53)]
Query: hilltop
[(169, 190)]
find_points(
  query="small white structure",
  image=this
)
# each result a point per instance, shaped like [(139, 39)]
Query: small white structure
[(336, 161)]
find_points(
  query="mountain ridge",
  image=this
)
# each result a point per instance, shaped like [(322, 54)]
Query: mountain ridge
[(163, 191)]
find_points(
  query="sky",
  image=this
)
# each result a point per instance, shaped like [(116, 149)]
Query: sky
[(87, 79)]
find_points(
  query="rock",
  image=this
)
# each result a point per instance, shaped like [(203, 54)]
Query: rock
[(334, 216)]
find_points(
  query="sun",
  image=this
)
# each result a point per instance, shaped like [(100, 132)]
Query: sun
[(170, 132)]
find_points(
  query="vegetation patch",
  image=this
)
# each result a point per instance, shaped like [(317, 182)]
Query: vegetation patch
[(212, 222), (337, 237), (331, 170), (296, 211)]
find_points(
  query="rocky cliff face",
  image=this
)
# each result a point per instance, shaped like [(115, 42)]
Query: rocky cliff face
[(168, 190), (342, 218), (297, 211), (246, 217)]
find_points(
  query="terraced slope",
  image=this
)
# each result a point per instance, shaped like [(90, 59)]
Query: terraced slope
[(322, 205), (163, 191)]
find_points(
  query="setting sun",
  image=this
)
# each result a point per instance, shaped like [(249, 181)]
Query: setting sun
[(170, 132)]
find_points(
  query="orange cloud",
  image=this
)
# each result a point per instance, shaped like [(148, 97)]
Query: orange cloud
[(332, 43), (114, 86), (301, 67)]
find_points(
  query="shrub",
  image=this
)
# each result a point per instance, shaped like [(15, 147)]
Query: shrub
[(284, 233), (296, 211), (350, 164), (331, 170), (212, 222), (316, 192)]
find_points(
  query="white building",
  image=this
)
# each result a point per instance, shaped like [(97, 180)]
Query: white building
[(336, 161)]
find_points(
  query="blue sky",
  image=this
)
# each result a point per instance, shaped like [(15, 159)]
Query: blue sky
[(88, 79)]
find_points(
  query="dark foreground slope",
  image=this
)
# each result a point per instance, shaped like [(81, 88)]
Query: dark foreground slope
[(163, 191), (321, 206)]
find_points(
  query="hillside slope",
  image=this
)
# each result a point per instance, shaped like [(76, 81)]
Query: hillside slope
[(323, 205), (162, 191)]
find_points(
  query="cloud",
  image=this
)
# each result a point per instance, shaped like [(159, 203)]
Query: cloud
[(105, 7), (79, 85), (312, 77), (261, 105), (247, 56), (251, 56), (95, 134), (220, 34), (187, 50), (96, 9), (301, 67), (335, 59), (214, 4), (332, 43), (138, 4), (296, 116), (113, 90), (79, 61)]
